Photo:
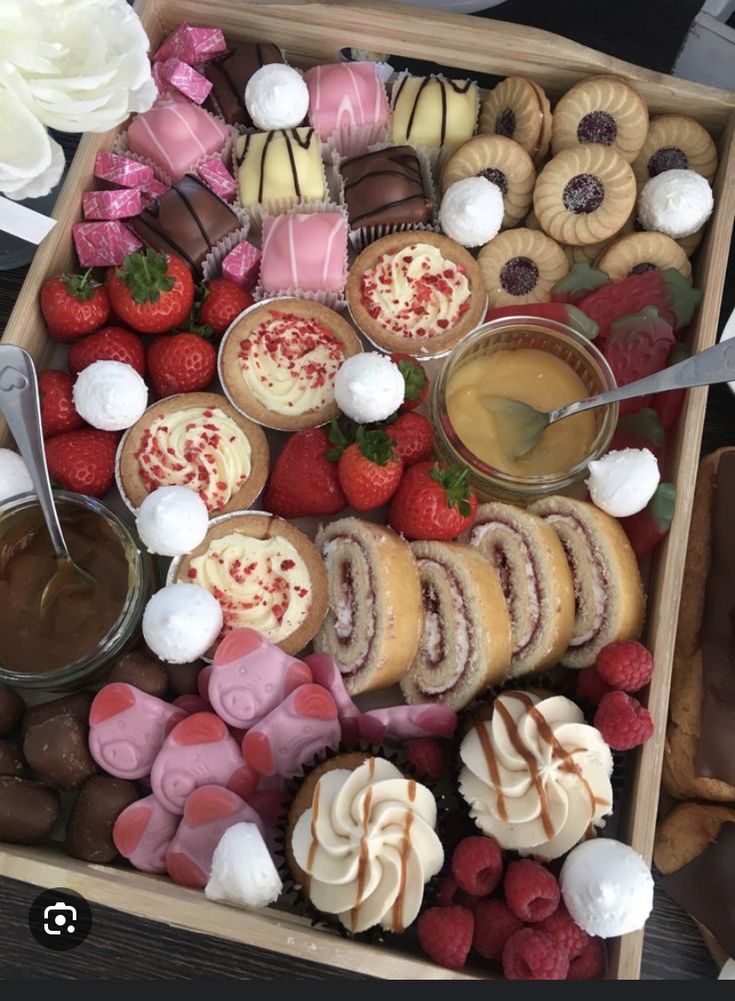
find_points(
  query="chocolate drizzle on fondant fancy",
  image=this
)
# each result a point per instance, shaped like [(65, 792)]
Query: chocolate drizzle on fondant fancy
[(458, 86), (370, 190), (290, 136), (667, 158)]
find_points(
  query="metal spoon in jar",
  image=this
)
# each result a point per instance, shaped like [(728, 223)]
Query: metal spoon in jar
[(520, 426), (19, 402)]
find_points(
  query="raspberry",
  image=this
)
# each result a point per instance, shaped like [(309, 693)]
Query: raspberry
[(477, 865), (426, 757), (590, 965), (445, 935), (494, 925), (565, 930), (591, 686), (534, 955), (531, 891), (626, 665), (449, 893), (623, 722)]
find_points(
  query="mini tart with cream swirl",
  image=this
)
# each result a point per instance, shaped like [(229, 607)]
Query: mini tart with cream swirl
[(416, 292), (278, 362), (195, 440), (266, 575), (535, 775), (362, 844)]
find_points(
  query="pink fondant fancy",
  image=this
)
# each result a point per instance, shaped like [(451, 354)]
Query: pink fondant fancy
[(345, 95), (175, 136), (305, 252)]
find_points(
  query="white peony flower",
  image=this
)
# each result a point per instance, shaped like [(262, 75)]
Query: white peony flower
[(73, 65)]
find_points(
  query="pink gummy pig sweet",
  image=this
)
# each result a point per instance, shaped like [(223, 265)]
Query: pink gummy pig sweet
[(127, 729), (203, 683), (208, 813), (199, 751), (192, 704), (326, 673), (400, 723), (143, 832), (303, 725), (250, 677)]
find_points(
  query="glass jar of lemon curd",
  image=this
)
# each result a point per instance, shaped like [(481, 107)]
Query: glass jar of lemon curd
[(537, 361)]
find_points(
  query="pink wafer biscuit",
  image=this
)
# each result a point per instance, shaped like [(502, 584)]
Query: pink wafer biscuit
[(303, 725), (326, 673), (121, 170), (117, 203), (242, 265), (208, 812), (127, 729), (193, 45), (401, 723), (101, 244), (143, 832), (217, 177), (186, 79), (199, 751), (250, 677)]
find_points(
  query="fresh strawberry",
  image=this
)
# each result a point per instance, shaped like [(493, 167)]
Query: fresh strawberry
[(303, 480), (108, 344), (637, 346), (648, 527), (640, 430), (58, 413), (413, 437), (370, 470), (668, 405), (415, 379), (223, 302), (180, 363), (433, 502), (83, 461), (152, 292), (73, 305)]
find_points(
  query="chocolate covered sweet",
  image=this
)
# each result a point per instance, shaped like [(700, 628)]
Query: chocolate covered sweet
[(75, 705), (57, 750), (229, 77), (280, 169), (385, 188), (28, 810), (142, 671), (188, 220), (11, 759), (12, 708), (89, 829)]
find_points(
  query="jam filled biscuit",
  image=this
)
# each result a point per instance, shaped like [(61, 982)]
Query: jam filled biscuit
[(638, 252), (502, 161), (603, 110), (689, 244), (521, 266), (519, 109), (675, 142), (584, 195)]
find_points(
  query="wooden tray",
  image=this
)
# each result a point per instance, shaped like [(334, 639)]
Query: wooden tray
[(315, 32)]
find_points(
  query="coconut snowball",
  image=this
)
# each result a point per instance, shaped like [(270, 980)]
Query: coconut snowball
[(181, 622), (172, 521), (622, 482), (471, 211), (110, 395), (242, 870), (676, 202), (277, 97), (14, 476), (369, 387)]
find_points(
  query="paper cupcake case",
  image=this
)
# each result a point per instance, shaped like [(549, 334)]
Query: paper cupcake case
[(334, 300)]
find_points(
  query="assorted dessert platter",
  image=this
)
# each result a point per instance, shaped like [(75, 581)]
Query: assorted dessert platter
[(347, 654)]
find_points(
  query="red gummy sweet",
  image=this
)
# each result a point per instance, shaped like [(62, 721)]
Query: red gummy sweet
[(623, 722), (495, 923), (668, 290), (569, 936), (578, 282), (477, 865), (590, 965), (427, 758), (646, 528), (638, 345), (531, 891), (445, 935), (626, 665), (560, 312), (534, 955), (590, 686)]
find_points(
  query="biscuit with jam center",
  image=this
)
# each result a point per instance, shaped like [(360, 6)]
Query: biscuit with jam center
[(603, 110)]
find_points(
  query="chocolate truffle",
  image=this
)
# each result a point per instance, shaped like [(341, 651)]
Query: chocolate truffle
[(187, 220), (141, 670), (280, 169), (12, 708), (229, 77), (57, 749), (76, 705), (385, 188), (89, 830), (183, 678), (28, 810), (11, 760)]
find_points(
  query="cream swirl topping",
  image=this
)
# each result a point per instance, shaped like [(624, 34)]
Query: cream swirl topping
[(261, 583), (415, 292), (368, 845), (535, 775), (201, 449), (289, 363)]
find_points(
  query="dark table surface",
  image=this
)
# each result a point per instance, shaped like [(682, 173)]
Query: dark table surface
[(647, 32)]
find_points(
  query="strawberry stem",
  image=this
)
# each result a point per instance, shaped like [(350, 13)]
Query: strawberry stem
[(146, 275), (376, 446), (80, 286), (455, 481)]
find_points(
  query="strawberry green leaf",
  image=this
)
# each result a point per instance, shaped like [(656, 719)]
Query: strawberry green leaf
[(80, 286), (342, 432), (455, 481), (146, 275), (646, 424), (662, 505), (414, 378), (376, 446)]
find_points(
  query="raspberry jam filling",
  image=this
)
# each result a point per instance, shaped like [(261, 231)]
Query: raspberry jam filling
[(597, 127), (497, 177), (446, 651), (505, 123), (640, 268), (667, 158), (519, 276), (354, 611), (575, 538), (583, 194)]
